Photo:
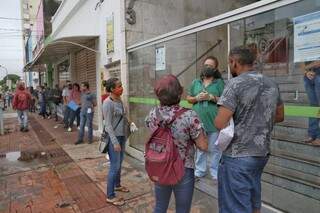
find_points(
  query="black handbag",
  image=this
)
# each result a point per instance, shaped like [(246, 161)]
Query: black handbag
[(105, 139)]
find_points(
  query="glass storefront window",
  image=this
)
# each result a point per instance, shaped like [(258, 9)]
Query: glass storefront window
[(291, 180), (282, 54)]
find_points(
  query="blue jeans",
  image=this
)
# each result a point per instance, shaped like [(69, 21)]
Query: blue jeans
[(86, 118), (183, 192), (116, 158), (66, 115), (239, 184), (313, 91), (73, 115), (23, 118), (212, 156), (43, 109)]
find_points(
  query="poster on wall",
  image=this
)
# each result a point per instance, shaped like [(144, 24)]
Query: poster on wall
[(307, 37), (160, 58), (110, 34)]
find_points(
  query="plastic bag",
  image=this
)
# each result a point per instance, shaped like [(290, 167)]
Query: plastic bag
[(225, 136)]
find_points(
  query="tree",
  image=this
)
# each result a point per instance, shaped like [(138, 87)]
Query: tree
[(14, 78)]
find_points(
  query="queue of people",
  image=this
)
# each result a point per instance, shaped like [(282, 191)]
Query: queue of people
[(251, 99), (183, 143)]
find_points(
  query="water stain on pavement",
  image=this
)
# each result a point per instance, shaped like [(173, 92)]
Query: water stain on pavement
[(23, 156)]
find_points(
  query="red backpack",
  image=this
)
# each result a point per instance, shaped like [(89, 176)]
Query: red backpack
[(162, 160)]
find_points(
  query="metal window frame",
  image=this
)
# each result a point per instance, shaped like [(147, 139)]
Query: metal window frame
[(226, 18)]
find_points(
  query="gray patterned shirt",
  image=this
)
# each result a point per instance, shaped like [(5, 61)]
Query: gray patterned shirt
[(253, 98)]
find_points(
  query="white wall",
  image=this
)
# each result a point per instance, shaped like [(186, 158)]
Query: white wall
[(108, 8), (79, 18), (76, 18)]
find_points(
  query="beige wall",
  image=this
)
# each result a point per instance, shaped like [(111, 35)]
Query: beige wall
[(154, 17)]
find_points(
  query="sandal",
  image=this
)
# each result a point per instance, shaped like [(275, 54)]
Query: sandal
[(116, 201), (309, 140), (316, 142), (122, 189)]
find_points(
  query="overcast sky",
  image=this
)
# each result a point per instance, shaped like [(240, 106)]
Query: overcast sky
[(11, 44)]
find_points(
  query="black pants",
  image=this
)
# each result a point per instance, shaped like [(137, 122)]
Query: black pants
[(73, 116)]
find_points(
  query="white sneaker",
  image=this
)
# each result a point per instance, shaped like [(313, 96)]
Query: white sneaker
[(78, 127), (69, 129)]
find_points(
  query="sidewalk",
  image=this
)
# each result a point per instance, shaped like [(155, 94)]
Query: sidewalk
[(42, 171)]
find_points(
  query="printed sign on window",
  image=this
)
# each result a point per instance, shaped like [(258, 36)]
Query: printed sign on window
[(160, 58), (307, 37)]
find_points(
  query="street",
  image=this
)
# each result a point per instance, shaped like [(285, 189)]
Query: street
[(42, 171)]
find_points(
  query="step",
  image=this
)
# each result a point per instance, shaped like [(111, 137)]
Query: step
[(292, 180), (205, 185), (298, 150), (295, 164), (275, 197), (287, 200), (289, 133), (297, 122)]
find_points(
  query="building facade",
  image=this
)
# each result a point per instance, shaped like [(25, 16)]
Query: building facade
[(141, 40)]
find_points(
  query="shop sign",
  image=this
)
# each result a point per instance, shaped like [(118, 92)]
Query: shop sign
[(110, 34), (160, 58), (307, 37)]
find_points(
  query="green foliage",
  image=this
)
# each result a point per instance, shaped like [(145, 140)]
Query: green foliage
[(14, 78)]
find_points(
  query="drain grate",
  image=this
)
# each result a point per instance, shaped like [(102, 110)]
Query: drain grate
[(86, 194), (56, 155)]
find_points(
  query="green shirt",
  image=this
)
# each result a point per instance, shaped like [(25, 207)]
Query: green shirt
[(206, 110)]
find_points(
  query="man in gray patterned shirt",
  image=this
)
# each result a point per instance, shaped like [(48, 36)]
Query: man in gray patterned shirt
[(254, 102)]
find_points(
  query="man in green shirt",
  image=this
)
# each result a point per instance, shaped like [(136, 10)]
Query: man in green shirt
[(204, 94)]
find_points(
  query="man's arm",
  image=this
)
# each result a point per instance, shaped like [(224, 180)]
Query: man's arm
[(223, 117)]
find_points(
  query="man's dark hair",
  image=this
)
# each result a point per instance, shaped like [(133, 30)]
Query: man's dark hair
[(104, 83), (86, 84), (168, 90), (210, 57), (78, 86), (111, 84), (243, 55)]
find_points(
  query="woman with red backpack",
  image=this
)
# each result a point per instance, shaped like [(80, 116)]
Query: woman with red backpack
[(171, 148)]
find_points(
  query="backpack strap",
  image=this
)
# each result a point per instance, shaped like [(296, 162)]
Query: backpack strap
[(177, 114)]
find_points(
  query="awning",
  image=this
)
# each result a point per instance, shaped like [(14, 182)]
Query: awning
[(57, 49), (34, 68)]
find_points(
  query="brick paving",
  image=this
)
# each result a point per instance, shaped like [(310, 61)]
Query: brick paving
[(59, 173)]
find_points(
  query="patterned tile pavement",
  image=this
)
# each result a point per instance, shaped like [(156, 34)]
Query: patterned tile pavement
[(42, 171)]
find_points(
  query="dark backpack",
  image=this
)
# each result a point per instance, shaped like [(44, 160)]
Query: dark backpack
[(162, 159)]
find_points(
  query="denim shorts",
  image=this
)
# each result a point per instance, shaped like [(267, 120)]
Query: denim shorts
[(239, 184)]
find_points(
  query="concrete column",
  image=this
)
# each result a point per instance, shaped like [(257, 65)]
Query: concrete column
[(49, 74), (56, 79), (1, 122), (72, 67), (99, 67)]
